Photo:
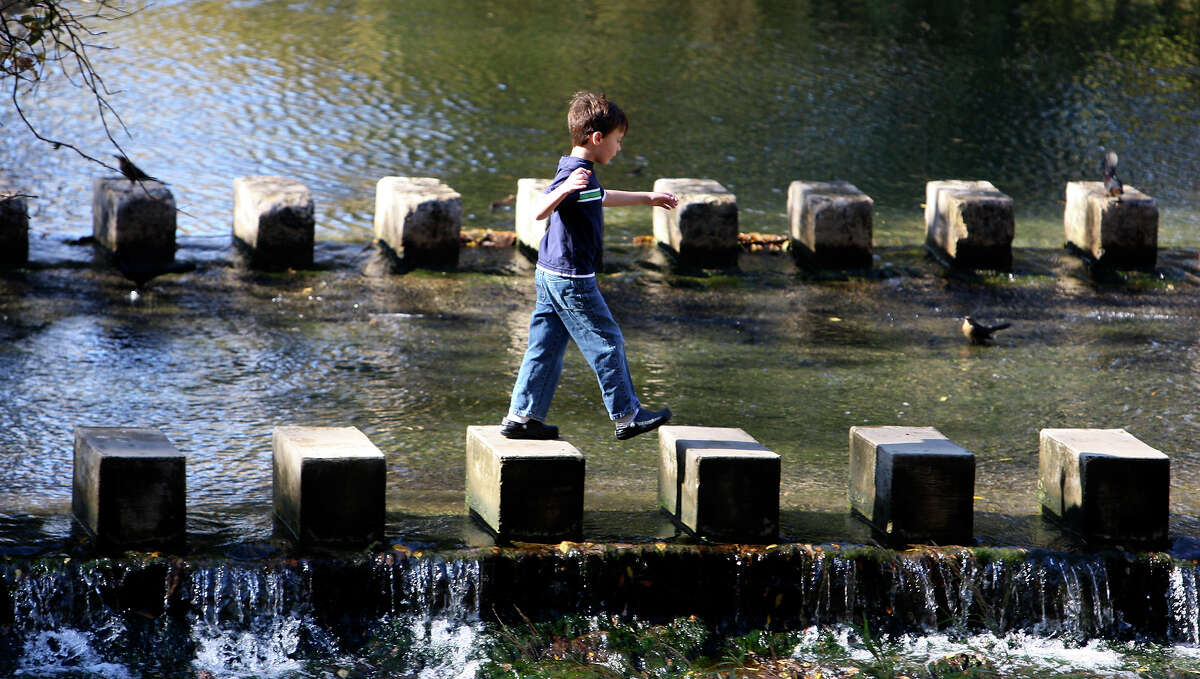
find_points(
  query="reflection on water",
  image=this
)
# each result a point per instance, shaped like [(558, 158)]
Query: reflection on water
[(338, 93)]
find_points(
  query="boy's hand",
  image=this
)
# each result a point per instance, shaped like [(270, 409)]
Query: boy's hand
[(664, 200), (576, 181)]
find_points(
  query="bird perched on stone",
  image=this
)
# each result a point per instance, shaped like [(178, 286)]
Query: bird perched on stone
[(132, 172), (1112, 184), (979, 333)]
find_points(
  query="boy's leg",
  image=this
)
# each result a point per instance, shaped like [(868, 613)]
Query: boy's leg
[(587, 318), (542, 365)]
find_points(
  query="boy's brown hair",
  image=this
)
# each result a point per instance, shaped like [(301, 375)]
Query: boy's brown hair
[(590, 112)]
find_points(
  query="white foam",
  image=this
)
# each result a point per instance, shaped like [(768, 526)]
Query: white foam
[(455, 646), (54, 652), (235, 653), (1009, 653)]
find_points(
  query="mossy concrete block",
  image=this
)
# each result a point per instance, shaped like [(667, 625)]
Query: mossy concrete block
[(329, 485), (702, 230), (420, 218), (830, 224), (130, 487), (719, 482), (969, 222), (134, 220), (1117, 231), (530, 230), (14, 227), (525, 490), (273, 218), (912, 483), (1105, 484)]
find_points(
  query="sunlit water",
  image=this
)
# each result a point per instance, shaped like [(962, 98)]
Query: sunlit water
[(339, 94)]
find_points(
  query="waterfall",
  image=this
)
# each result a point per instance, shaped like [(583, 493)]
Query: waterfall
[(1184, 607), (127, 619), (425, 613)]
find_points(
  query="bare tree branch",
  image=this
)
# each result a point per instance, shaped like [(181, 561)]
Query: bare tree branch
[(40, 39)]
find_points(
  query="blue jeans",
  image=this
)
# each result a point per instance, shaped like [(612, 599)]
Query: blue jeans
[(571, 308)]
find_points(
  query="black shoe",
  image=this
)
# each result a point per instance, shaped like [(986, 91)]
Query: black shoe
[(532, 429), (644, 421)]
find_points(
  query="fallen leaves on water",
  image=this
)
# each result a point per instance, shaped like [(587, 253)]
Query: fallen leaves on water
[(487, 238)]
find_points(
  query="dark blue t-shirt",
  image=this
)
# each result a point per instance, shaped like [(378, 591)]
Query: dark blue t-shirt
[(574, 238)]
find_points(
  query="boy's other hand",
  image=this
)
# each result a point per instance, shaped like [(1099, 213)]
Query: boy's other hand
[(664, 200), (577, 180)]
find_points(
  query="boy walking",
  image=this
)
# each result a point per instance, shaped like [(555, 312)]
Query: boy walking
[(569, 305)]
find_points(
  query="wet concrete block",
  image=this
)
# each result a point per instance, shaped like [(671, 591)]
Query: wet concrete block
[(1105, 484), (703, 229), (134, 220), (14, 227), (1117, 231), (329, 485), (525, 490), (912, 483), (719, 482), (530, 230), (273, 219), (970, 223), (420, 218), (130, 487), (830, 224)]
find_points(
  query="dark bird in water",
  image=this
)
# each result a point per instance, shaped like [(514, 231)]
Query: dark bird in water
[(132, 172), (979, 333), (636, 170), (1112, 184), (141, 272)]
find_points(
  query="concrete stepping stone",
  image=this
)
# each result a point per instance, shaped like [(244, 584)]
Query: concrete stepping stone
[(702, 230), (420, 218), (530, 230), (134, 220), (273, 219), (912, 484), (830, 224), (970, 223), (719, 483), (130, 487), (14, 226), (1105, 484), (525, 490), (329, 485), (1117, 231)]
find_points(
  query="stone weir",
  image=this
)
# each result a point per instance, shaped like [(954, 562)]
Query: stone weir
[(171, 605)]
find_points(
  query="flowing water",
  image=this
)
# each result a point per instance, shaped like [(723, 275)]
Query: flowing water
[(423, 615), (754, 95)]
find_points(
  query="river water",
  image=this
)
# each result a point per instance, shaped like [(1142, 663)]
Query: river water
[(886, 95), (338, 94)]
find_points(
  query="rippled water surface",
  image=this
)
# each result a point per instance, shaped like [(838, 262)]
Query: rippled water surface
[(217, 357), (752, 94)]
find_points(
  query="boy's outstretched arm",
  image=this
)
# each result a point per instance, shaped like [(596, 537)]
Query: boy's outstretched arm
[(651, 198), (576, 181)]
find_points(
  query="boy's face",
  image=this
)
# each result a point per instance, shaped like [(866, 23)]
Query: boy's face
[(607, 146)]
